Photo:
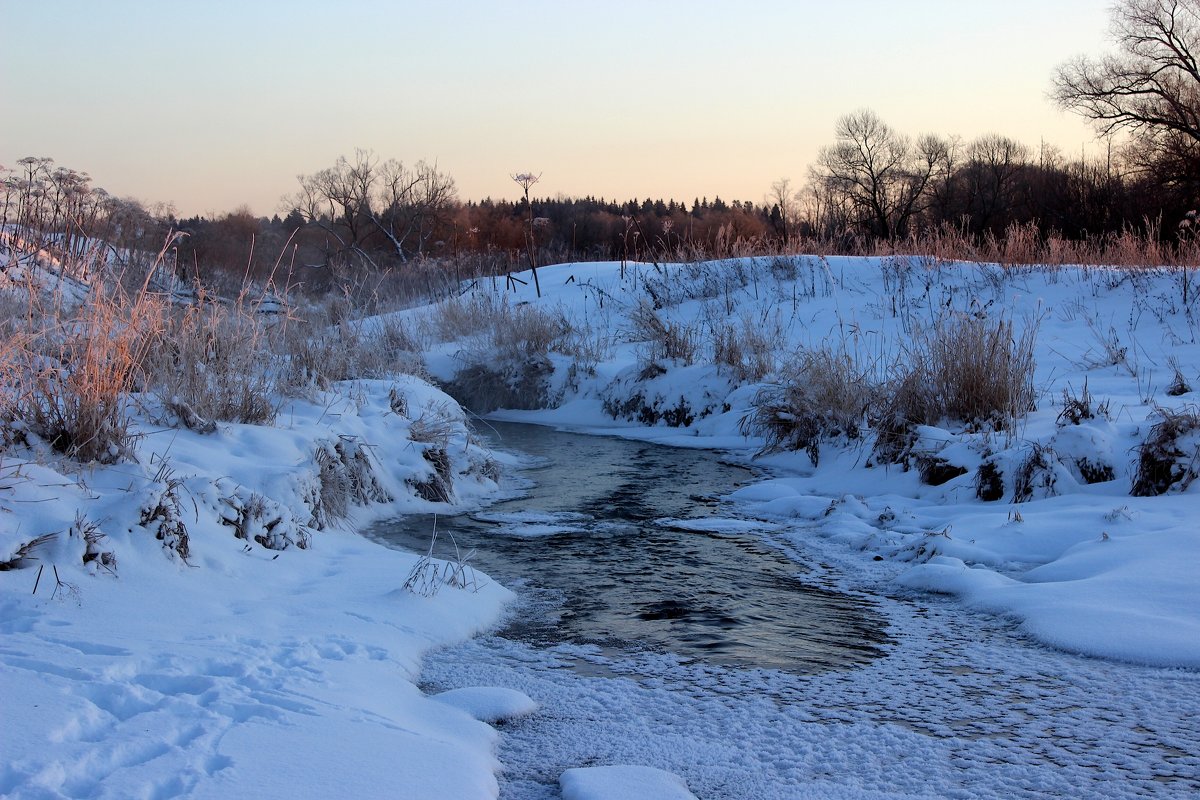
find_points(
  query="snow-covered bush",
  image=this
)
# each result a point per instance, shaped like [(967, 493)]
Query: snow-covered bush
[(255, 517), (966, 369), (432, 431), (347, 478), (822, 394), (67, 371), (1169, 458), (162, 513), (1038, 475)]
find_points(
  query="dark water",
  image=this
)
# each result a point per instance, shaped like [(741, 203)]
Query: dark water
[(601, 571)]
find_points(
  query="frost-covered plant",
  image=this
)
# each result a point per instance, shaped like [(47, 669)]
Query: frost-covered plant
[(67, 371), (747, 350), (429, 574), (460, 317), (213, 362), (316, 354)]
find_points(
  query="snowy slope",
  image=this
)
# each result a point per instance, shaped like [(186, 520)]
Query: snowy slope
[(238, 670), (275, 653), (1085, 567)]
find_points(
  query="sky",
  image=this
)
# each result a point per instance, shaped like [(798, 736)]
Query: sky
[(214, 105)]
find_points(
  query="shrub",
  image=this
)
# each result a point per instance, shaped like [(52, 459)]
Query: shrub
[(966, 368), (821, 395), (214, 362), (1169, 455), (66, 372)]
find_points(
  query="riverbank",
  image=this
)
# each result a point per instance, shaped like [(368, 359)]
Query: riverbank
[(240, 638), (954, 703), (1072, 515), (203, 618)]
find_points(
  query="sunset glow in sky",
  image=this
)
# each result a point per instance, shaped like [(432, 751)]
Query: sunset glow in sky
[(216, 104)]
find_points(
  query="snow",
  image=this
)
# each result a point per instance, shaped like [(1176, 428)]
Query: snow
[(240, 671), (622, 782), (291, 661), (533, 524), (489, 703)]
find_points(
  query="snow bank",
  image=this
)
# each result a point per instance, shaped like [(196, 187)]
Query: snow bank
[(238, 638), (1038, 523)]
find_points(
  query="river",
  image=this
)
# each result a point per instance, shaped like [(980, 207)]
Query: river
[(655, 626)]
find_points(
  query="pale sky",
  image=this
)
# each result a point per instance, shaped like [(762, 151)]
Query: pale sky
[(213, 104)]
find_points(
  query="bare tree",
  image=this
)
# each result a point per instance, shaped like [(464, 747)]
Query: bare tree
[(410, 204), (1151, 84), (360, 200), (989, 180), (879, 176), (787, 199)]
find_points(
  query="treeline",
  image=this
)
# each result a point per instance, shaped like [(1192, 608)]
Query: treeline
[(873, 189)]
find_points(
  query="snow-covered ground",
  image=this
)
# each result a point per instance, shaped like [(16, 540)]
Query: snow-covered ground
[(1084, 567), (240, 670), (246, 664)]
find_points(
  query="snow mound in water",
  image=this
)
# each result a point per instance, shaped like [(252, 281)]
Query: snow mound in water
[(489, 703), (622, 783), (534, 524), (714, 525)]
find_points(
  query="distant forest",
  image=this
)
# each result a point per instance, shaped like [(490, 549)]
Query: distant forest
[(873, 190), (366, 213)]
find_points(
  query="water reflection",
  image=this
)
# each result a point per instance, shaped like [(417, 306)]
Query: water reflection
[(582, 548)]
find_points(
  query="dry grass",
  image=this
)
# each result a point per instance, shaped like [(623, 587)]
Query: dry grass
[(968, 369), (662, 339), (67, 371), (822, 395), (214, 362), (747, 350)]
